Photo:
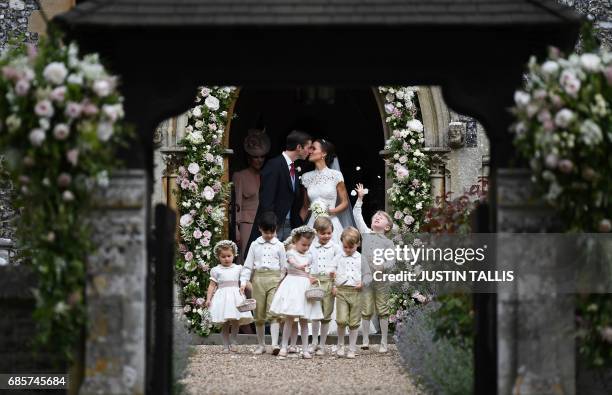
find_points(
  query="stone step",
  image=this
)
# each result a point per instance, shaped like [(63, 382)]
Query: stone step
[(215, 339)]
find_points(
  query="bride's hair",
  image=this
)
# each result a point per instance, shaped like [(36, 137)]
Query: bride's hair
[(329, 149)]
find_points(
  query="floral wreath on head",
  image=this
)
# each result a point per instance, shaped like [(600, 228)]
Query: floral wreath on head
[(225, 243), (302, 230), (288, 241)]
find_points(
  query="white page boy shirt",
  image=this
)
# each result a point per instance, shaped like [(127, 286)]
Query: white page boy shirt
[(267, 255), (348, 269), (323, 256)]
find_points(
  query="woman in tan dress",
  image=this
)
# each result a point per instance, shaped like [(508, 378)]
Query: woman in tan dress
[(246, 186)]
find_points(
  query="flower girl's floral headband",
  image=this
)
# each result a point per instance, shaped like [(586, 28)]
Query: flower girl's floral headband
[(224, 244), (303, 230)]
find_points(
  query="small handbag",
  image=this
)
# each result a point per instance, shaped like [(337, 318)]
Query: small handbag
[(314, 294)]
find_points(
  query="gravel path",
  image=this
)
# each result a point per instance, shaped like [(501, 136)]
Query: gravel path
[(210, 372)]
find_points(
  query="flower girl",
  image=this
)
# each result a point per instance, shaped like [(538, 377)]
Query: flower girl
[(225, 293), (290, 299)]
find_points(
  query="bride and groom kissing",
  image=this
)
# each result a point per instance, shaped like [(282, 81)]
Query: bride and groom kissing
[(288, 193)]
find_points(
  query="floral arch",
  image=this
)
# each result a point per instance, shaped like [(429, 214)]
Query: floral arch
[(203, 187)]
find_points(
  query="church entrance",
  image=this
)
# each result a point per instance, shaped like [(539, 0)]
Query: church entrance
[(348, 117)]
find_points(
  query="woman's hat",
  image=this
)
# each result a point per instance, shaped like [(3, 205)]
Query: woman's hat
[(257, 142)]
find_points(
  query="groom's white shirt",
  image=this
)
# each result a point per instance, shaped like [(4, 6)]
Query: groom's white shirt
[(289, 162)]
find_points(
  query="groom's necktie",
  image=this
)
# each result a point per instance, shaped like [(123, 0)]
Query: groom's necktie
[(292, 174)]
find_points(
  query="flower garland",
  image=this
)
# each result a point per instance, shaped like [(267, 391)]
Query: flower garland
[(202, 201), (564, 128), (59, 125), (409, 194)]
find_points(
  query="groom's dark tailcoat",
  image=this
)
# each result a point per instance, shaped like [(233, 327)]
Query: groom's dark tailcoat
[(276, 194)]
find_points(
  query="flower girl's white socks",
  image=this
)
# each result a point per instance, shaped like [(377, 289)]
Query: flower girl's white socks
[(304, 328), (225, 334), (287, 333), (235, 330), (315, 332), (274, 329)]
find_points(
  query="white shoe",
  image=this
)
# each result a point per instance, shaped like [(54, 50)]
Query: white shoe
[(292, 349), (259, 350), (233, 348), (382, 348), (312, 348), (350, 354), (320, 351), (340, 352), (226, 351), (306, 355), (282, 354)]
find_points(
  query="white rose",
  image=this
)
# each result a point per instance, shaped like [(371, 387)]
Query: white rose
[(212, 103), (550, 68), (414, 125), (197, 112), (564, 117), (193, 168), (91, 71), (76, 79), (113, 111), (105, 131), (195, 137), (68, 196), (590, 133), (521, 98), (102, 88), (44, 108), (186, 220), (61, 131), (571, 83), (208, 193), (590, 62), (55, 72), (37, 136)]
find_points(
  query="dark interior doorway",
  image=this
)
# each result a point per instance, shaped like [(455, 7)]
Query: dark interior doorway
[(348, 117)]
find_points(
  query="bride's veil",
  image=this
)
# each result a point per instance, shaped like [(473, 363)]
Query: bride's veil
[(346, 216)]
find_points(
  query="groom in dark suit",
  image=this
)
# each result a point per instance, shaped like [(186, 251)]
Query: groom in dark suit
[(280, 190)]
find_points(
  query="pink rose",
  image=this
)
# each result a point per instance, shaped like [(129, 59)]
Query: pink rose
[(208, 193), (72, 156), (604, 225), (207, 234), (64, 180), (200, 301), (44, 108), (73, 110), (185, 184), (551, 161), (398, 215), (90, 109), (61, 131), (566, 166), (216, 186), (197, 233), (408, 220), (205, 241), (188, 256), (193, 186), (58, 94), (22, 87), (182, 171), (402, 172), (608, 74), (205, 268)]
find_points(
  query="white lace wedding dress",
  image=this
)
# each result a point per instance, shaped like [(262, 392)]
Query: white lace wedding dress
[(321, 186)]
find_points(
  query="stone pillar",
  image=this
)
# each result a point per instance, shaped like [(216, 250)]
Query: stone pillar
[(535, 331), (115, 351), (437, 176), (173, 158)]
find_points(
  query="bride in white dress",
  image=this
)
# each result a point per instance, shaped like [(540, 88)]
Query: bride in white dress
[(325, 187)]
